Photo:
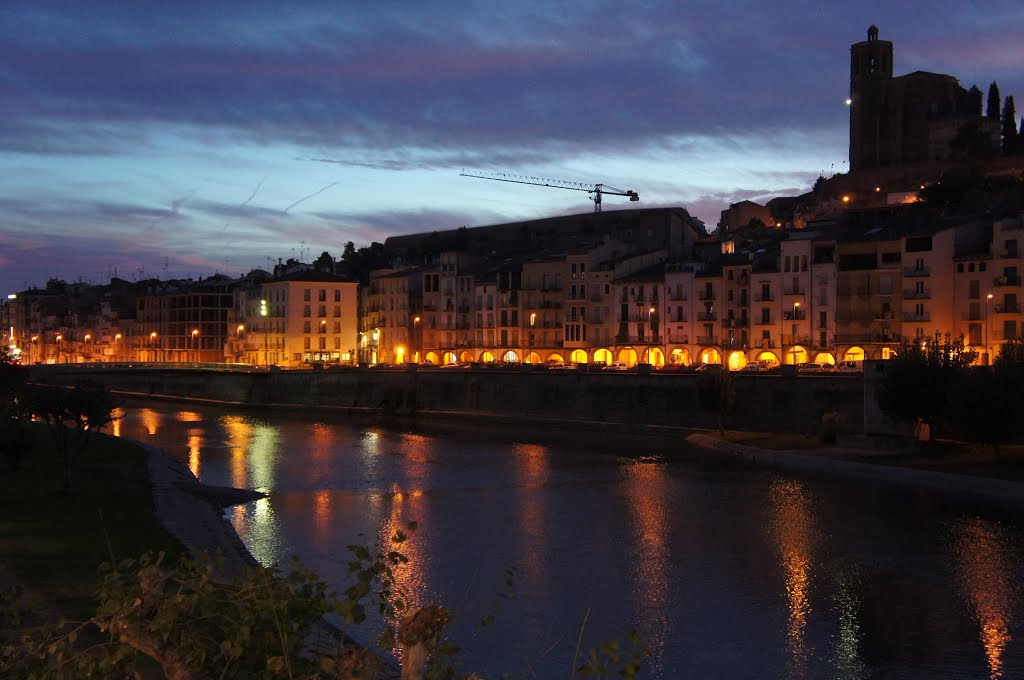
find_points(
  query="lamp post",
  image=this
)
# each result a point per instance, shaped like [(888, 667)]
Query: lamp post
[(238, 341), (988, 299), (152, 345), (415, 339), (32, 348), (192, 348), (263, 313), (117, 347), (59, 338), (86, 356)]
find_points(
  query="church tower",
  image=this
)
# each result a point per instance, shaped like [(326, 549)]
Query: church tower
[(870, 73)]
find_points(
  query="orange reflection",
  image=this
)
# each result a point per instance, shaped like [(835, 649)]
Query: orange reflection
[(187, 417), (531, 465), (322, 513), (793, 525), (409, 577), (984, 565), (239, 434), (194, 441), (115, 425), (647, 488), (150, 420)]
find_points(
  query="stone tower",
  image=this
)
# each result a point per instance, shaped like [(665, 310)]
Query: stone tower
[(870, 73)]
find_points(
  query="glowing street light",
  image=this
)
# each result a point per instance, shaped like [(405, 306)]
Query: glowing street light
[(988, 299)]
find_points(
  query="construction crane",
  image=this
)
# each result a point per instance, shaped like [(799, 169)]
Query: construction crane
[(595, 190)]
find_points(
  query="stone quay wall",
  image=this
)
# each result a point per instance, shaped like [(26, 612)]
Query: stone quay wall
[(766, 403)]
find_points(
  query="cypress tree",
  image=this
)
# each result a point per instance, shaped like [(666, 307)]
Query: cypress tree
[(1009, 127), (992, 109)]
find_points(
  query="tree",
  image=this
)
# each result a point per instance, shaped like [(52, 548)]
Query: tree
[(992, 106), (716, 393), (73, 415), (989, 399), (12, 407), (918, 380), (324, 263), (1009, 127)]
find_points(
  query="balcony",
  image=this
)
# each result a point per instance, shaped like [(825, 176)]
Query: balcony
[(922, 294), (733, 343), (1009, 308), (707, 316), (791, 340), (706, 295), (1007, 281), (764, 298), (625, 339), (794, 290), (861, 338), (742, 322), (764, 322), (973, 316), (794, 316), (917, 271), (706, 340), (884, 316), (914, 316)]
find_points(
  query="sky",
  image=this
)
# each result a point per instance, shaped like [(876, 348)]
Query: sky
[(182, 139)]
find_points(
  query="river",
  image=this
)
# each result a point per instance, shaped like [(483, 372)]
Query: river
[(726, 570)]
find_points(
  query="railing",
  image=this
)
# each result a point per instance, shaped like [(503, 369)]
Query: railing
[(1008, 308), (794, 316), (859, 338), (706, 340), (790, 290), (972, 316), (881, 316), (917, 271), (706, 295), (764, 322), (764, 298), (625, 339), (707, 316), (1007, 281), (733, 342), (914, 316), (923, 294), (797, 340), (741, 322)]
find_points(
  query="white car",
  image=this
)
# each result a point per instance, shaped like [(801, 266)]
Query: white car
[(813, 368), (617, 366)]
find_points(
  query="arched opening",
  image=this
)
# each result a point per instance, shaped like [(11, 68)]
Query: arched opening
[(533, 358), (400, 355), (825, 358), (450, 358), (654, 356), (487, 358), (737, 360), (466, 357), (710, 355), (888, 353), (603, 355), (555, 357), (510, 357), (768, 357), (431, 358), (796, 355), (854, 354), (680, 356), (627, 356), (578, 356)]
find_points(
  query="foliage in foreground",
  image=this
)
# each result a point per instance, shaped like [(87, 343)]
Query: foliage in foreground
[(259, 623)]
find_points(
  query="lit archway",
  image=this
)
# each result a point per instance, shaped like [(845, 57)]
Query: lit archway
[(854, 354), (400, 355), (796, 355), (578, 356), (736, 361), (533, 358), (655, 357), (768, 357), (510, 357), (680, 356), (627, 356), (555, 357), (431, 358), (487, 358), (603, 355), (710, 355), (825, 358), (450, 358), (466, 358)]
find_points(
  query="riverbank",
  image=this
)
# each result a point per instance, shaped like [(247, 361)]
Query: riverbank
[(903, 466)]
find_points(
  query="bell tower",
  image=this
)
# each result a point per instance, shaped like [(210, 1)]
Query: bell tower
[(870, 73)]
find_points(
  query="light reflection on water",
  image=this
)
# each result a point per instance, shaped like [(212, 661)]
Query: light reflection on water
[(727, 572)]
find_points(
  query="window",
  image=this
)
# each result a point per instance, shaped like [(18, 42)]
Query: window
[(322, 296), (305, 342), (960, 268), (337, 295), (337, 326), (337, 312), (305, 295), (322, 311), (305, 310), (982, 266), (305, 327)]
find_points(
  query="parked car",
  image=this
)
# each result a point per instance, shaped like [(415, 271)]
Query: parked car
[(704, 368), (673, 368), (757, 367), (561, 366), (617, 366), (813, 368), (849, 367)]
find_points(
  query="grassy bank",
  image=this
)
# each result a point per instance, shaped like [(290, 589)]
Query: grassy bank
[(54, 543)]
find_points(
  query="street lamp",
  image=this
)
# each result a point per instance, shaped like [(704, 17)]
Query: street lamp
[(59, 338), (152, 345), (117, 347), (988, 298), (32, 349), (263, 313), (415, 339), (192, 349), (86, 339)]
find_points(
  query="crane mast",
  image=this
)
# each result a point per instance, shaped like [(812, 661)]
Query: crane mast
[(595, 190)]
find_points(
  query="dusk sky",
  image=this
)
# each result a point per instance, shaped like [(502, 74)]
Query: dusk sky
[(187, 138)]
